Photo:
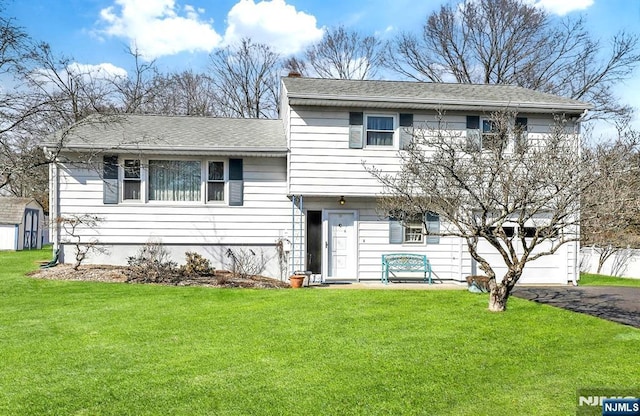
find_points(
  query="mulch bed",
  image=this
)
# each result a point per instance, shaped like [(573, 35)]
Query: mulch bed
[(117, 274)]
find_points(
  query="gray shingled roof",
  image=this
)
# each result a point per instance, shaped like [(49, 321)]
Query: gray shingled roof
[(175, 134), (423, 95), (12, 209)]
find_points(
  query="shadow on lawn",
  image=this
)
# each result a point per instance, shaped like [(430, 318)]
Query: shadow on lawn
[(617, 304)]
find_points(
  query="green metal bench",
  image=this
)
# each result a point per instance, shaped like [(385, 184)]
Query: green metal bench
[(405, 262)]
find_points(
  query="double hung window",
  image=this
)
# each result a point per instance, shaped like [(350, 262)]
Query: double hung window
[(380, 130), (131, 182), (215, 181), (412, 230), (484, 133)]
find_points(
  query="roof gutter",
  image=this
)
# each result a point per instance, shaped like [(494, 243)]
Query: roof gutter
[(395, 102), (179, 150)]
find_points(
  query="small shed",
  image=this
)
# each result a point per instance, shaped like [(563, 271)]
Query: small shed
[(21, 223)]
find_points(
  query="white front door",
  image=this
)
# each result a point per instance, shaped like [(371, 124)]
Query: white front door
[(341, 245)]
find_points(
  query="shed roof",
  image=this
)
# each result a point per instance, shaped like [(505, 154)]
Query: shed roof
[(174, 134), (424, 95), (12, 209)]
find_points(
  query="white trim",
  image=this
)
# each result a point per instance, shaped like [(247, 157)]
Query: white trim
[(225, 181), (325, 239)]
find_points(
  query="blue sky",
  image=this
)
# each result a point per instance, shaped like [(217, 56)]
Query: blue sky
[(180, 34)]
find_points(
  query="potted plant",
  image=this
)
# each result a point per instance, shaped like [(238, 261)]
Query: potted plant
[(296, 280)]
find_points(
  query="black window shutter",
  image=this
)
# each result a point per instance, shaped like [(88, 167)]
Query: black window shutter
[(356, 130), (356, 119), (432, 222), (110, 188), (474, 140), (520, 137), (406, 130), (395, 231), (236, 183), (473, 122), (406, 120), (235, 170)]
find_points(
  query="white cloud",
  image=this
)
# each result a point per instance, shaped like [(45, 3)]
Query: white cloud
[(156, 28), (100, 71), (98, 76), (274, 23), (562, 7)]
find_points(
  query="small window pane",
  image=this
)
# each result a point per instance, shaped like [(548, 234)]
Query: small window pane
[(131, 190), (376, 138), (216, 171), (380, 123), (132, 169), (110, 167), (215, 191)]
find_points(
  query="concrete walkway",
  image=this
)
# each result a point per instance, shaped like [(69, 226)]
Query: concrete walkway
[(617, 304), (389, 286)]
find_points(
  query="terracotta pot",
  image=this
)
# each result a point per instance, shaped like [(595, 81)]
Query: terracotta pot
[(296, 280)]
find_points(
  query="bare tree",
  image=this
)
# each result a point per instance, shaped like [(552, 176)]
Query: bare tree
[(295, 65), (519, 196), (514, 42), (345, 55), (246, 80), (183, 93), (138, 89), (71, 92), (71, 226), (22, 166)]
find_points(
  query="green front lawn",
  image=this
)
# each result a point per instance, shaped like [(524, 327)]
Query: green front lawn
[(587, 279), (116, 349)]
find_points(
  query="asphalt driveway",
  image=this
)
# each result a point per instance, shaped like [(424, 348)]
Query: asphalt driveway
[(618, 304)]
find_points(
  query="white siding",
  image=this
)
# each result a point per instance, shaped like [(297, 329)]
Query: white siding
[(450, 258), (262, 219), (321, 162), (373, 242)]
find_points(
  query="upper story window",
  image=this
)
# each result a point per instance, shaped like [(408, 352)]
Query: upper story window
[(174, 180), (380, 130), (484, 133)]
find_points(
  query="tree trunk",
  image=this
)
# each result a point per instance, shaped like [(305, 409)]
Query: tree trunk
[(498, 297)]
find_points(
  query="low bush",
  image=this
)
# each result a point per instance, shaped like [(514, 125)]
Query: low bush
[(152, 264), (196, 265)]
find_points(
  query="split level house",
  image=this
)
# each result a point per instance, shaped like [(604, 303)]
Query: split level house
[(292, 192)]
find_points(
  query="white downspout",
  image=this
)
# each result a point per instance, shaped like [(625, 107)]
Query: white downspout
[(54, 201)]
